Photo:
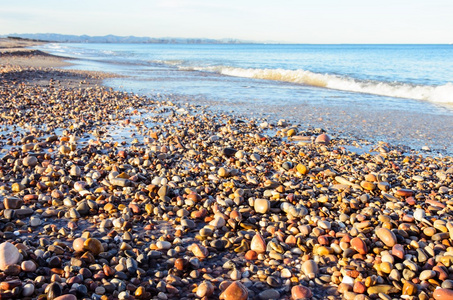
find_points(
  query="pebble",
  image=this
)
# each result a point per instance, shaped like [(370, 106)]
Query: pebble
[(386, 236), (262, 206), (301, 292), (258, 244), (30, 161), (93, 245), (28, 290), (310, 268), (443, 294), (163, 245), (359, 245), (9, 255), (78, 244), (205, 289), (235, 291), (322, 139), (28, 266)]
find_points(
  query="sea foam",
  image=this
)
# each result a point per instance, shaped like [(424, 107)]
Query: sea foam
[(441, 93)]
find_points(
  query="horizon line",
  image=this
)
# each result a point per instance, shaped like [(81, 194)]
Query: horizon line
[(223, 40)]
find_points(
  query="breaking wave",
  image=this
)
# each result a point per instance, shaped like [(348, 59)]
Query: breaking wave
[(440, 93)]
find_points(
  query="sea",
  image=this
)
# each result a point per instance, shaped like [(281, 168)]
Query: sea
[(400, 94)]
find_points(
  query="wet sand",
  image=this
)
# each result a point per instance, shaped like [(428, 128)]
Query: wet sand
[(426, 133), (110, 195)]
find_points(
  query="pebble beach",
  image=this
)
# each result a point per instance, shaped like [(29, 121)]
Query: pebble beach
[(112, 195)]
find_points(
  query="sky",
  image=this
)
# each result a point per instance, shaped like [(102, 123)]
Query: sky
[(290, 21)]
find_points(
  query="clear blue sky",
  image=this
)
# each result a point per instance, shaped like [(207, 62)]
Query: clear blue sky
[(295, 21)]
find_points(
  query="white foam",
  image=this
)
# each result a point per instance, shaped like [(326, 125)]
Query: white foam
[(442, 93)]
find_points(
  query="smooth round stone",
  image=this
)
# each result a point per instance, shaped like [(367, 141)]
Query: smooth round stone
[(395, 275), (163, 245), (447, 284), (388, 258), (367, 185), (305, 230), (386, 236), (359, 287), (287, 165), (440, 236), (258, 244), (255, 156), (386, 267), (324, 225), (310, 268), (418, 178), (28, 290), (404, 193), (251, 255), (291, 132), (205, 289), (80, 186), (222, 172), (9, 255), (301, 292), (273, 281), (235, 275), (30, 161), (28, 266), (427, 274), (218, 222), (100, 290), (75, 171), (35, 221), (443, 294), (302, 169), (205, 231), (198, 250), (262, 206), (235, 291), (348, 280), (322, 139), (78, 243), (181, 264), (94, 246), (383, 186), (371, 178), (285, 273), (419, 214), (359, 245), (188, 223)]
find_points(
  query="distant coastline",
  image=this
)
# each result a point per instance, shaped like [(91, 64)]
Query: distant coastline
[(64, 38)]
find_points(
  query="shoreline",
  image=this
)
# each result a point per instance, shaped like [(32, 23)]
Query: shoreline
[(107, 194), (418, 124)]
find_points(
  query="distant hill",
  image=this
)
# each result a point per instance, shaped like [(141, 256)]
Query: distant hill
[(64, 38)]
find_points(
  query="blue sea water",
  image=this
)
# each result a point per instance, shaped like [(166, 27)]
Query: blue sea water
[(379, 81)]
